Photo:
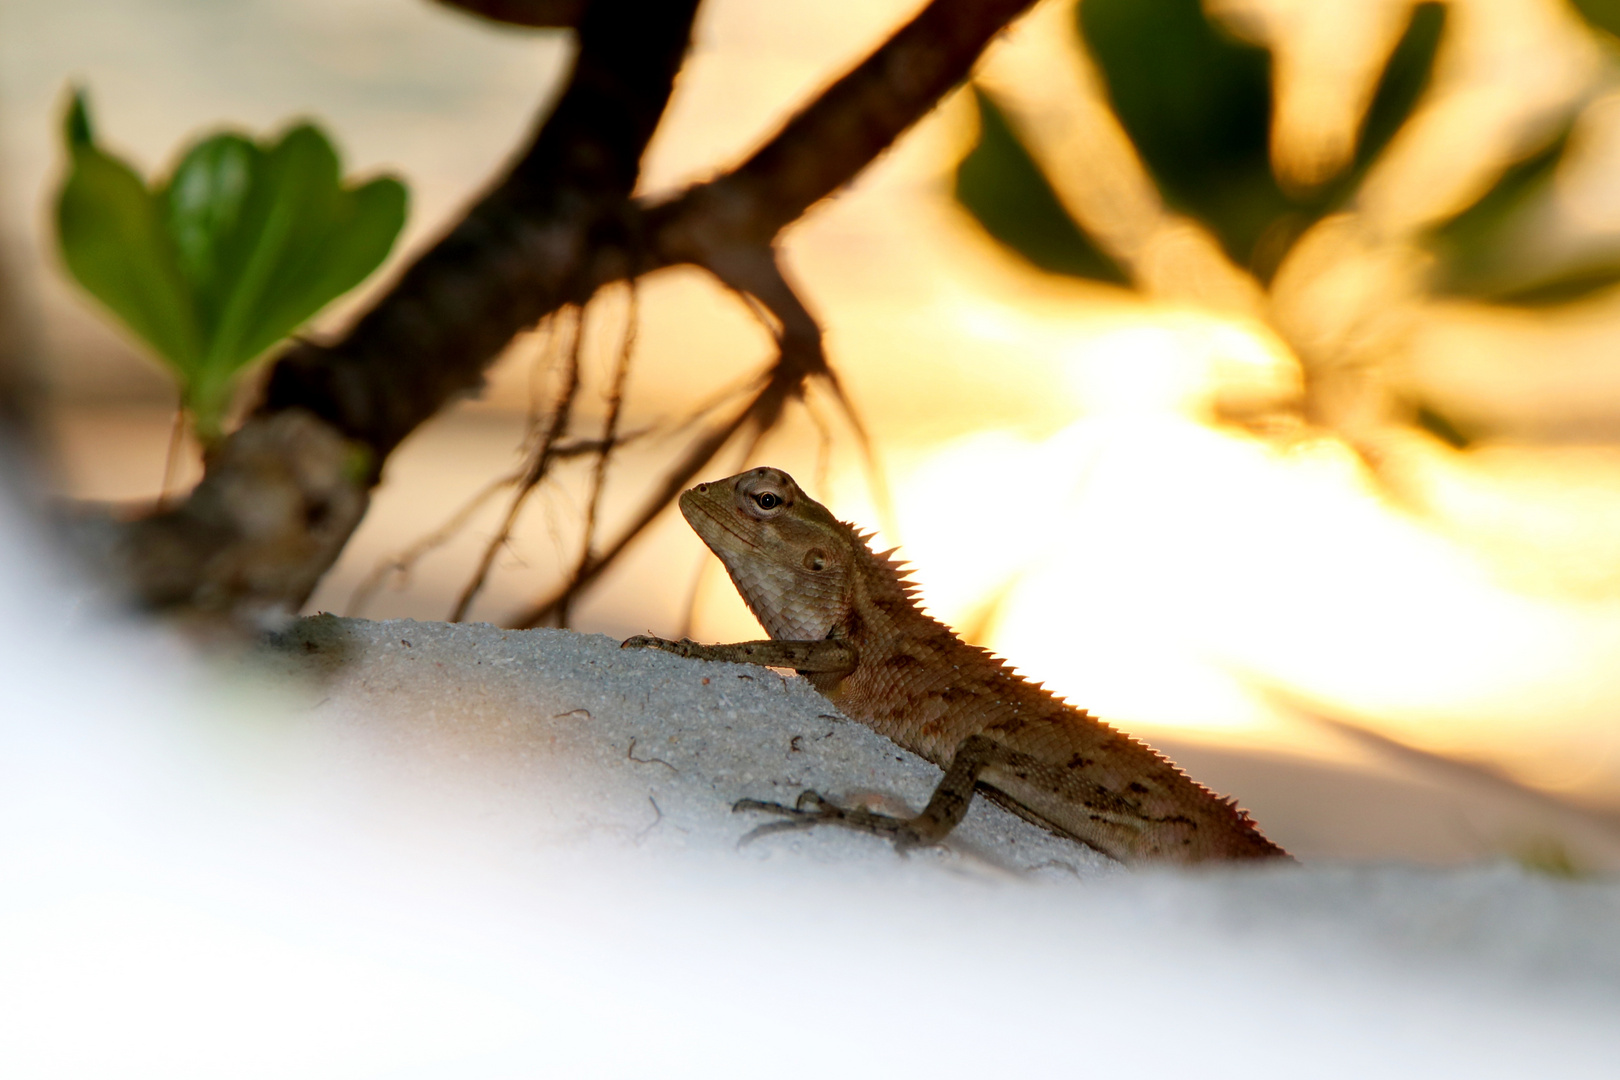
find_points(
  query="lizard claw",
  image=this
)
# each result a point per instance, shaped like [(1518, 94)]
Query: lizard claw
[(811, 802), (811, 809), (797, 819), (742, 805)]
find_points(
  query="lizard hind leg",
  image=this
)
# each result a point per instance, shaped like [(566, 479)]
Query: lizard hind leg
[(945, 810)]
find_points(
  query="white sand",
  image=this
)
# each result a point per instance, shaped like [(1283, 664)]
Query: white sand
[(367, 858), (568, 739)]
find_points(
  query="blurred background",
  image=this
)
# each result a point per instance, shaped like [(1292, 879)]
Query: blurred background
[(1334, 517)]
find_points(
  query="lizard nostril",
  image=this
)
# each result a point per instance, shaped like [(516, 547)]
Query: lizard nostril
[(703, 489)]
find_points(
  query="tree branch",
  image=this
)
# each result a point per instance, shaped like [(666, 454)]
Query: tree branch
[(518, 255), (558, 227), (825, 145), (538, 13)]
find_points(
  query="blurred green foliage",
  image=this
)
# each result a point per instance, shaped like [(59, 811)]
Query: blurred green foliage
[(1003, 187), (1197, 103), (1406, 75), (243, 243), (1441, 426), (1549, 856), (1603, 14), (1474, 255)]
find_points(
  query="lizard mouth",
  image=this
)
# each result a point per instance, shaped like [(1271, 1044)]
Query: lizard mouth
[(708, 524)]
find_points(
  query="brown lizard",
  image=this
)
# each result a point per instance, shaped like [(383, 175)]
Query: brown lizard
[(850, 621)]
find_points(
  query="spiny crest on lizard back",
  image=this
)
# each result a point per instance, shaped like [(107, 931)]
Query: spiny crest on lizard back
[(896, 570)]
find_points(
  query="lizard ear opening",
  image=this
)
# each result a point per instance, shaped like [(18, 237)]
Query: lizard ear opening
[(815, 559)]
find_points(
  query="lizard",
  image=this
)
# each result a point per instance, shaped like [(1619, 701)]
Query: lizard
[(851, 621)]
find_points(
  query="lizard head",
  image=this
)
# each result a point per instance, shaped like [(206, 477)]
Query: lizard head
[(786, 553)]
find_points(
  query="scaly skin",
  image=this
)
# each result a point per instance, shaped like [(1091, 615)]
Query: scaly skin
[(849, 620)]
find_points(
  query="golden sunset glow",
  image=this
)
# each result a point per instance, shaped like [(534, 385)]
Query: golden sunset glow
[(1063, 467)]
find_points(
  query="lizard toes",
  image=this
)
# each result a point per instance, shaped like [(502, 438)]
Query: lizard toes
[(907, 840), (745, 805), (790, 825), (646, 641), (811, 802)]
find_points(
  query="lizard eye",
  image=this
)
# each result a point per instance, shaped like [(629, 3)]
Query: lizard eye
[(815, 559), (768, 500)]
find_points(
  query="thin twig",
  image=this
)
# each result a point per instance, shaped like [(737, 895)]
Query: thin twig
[(823, 445), (748, 385), (761, 313), (631, 754), (756, 438), (1450, 766), (799, 357), (574, 448), (758, 273), (542, 362), (171, 460), (540, 461), (675, 481), (403, 563), (610, 429), (876, 481)]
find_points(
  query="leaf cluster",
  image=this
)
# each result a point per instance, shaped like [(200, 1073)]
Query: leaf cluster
[(1197, 104), (241, 244)]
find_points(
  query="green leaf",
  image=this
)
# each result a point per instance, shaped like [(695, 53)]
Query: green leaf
[(287, 213), (360, 233), (243, 244), (1474, 249), (203, 200), (1480, 252), (1401, 85), (76, 130), (1002, 187), (298, 240), (327, 239), (1603, 14), (1196, 102), (1567, 285), (114, 243)]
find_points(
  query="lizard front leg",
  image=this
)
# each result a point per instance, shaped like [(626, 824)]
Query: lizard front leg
[(827, 657), (945, 810), (946, 807)]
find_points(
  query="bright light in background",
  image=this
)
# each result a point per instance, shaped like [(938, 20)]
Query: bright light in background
[(1170, 575)]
